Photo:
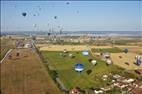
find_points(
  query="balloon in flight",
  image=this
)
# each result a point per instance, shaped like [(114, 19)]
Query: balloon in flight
[(24, 14)]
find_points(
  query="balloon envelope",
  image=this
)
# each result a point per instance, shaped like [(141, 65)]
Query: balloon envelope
[(55, 17), (79, 67), (67, 3), (49, 34), (125, 50), (85, 53), (94, 62), (24, 14)]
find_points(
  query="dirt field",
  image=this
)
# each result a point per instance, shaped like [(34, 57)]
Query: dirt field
[(129, 57), (25, 74)]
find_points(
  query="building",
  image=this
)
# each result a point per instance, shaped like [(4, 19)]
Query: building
[(74, 91), (137, 91), (28, 45)]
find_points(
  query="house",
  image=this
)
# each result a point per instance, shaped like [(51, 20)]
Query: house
[(74, 91), (137, 91)]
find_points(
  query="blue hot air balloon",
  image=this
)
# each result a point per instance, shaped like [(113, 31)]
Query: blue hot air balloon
[(79, 67), (125, 50)]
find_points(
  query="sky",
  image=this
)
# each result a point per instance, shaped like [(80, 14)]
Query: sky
[(74, 16)]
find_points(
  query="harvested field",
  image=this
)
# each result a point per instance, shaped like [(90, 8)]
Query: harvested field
[(5, 45), (62, 47), (129, 58), (46, 47), (25, 74)]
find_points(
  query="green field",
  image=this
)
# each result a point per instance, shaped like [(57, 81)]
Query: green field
[(110, 50), (64, 66)]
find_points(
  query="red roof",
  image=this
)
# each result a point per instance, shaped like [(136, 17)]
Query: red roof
[(137, 91), (74, 91)]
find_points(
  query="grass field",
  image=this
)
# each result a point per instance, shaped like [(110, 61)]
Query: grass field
[(25, 75), (65, 69)]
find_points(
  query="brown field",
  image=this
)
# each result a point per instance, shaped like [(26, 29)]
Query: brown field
[(25, 75), (5, 45), (129, 57)]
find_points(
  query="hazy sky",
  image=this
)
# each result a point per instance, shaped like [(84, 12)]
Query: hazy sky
[(75, 16)]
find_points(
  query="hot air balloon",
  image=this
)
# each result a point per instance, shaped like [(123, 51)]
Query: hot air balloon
[(24, 14), (39, 8), (125, 50), (49, 34), (34, 25), (77, 11), (34, 14), (79, 67), (55, 17), (85, 53), (67, 3)]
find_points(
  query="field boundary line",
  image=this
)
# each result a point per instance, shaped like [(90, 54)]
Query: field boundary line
[(6, 55)]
